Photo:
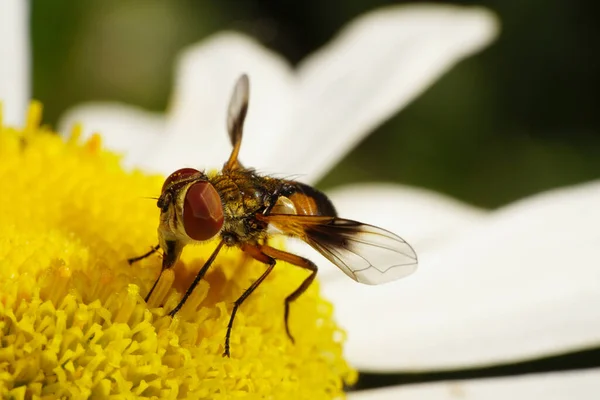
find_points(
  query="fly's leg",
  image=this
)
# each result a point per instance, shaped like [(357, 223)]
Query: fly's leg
[(300, 262), (199, 276), (258, 255), (148, 254), (171, 254)]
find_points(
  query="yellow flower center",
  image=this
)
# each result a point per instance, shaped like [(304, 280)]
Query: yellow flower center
[(73, 322)]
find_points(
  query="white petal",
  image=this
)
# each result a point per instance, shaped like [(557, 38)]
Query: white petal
[(580, 385), (423, 218), (130, 130), (523, 284), (205, 78), (14, 60), (377, 65)]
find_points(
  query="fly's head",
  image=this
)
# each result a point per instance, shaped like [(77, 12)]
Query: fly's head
[(190, 208)]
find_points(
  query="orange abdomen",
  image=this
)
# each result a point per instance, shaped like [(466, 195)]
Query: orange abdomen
[(309, 201)]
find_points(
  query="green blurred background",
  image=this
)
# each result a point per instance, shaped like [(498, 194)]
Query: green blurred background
[(514, 120)]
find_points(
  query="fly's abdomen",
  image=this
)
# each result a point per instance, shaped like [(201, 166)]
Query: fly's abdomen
[(309, 201)]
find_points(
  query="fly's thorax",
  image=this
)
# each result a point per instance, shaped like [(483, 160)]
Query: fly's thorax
[(244, 194), (231, 197)]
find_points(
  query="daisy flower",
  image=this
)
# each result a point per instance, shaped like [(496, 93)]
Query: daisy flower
[(74, 323)]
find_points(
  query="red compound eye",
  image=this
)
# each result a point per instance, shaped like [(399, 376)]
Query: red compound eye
[(202, 211), (178, 175)]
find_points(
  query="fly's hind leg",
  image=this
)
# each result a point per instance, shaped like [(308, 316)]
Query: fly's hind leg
[(300, 262)]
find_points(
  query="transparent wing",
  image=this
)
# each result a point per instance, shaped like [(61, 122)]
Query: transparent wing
[(366, 253), (236, 115), (238, 108)]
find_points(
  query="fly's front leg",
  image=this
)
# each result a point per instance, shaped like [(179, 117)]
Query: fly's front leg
[(199, 276), (170, 257), (167, 262), (148, 254)]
